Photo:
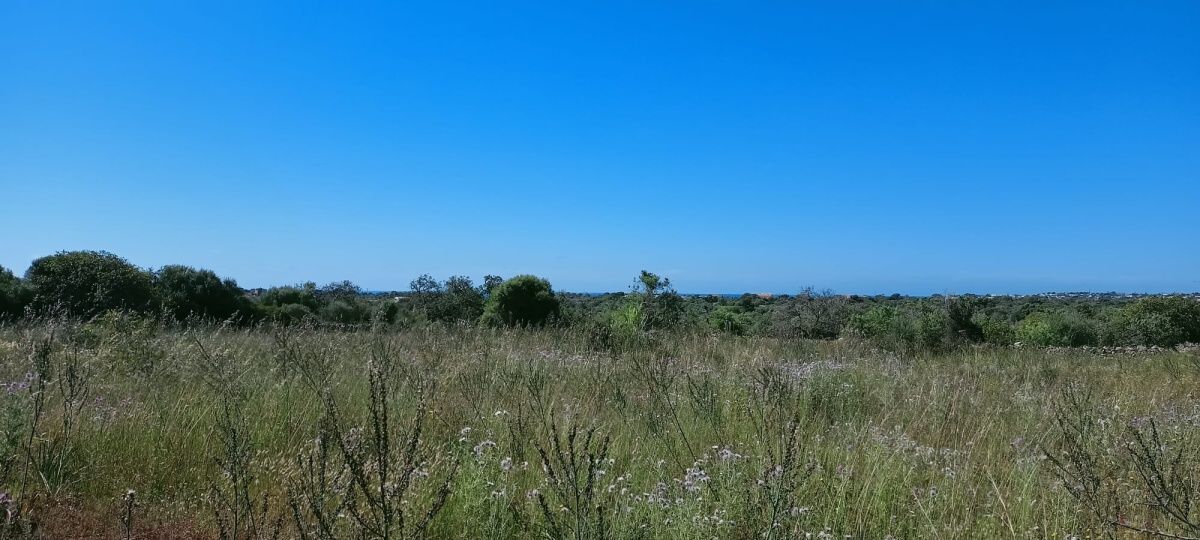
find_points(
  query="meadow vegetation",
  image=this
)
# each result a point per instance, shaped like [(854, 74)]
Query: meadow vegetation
[(185, 407)]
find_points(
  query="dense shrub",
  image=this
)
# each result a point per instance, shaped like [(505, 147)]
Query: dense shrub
[(288, 313), (730, 319), (15, 294), (1057, 328), (996, 332), (84, 284), (346, 311), (661, 306), (303, 295), (339, 290), (455, 300), (924, 325), (810, 314), (1154, 321), (960, 321), (189, 292), (524, 300)]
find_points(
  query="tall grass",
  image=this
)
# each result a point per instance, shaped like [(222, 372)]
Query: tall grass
[(461, 431)]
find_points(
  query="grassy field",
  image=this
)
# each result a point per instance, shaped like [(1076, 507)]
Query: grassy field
[(127, 429)]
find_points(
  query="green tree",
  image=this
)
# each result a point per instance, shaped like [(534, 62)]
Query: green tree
[(84, 284), (458, 299), (189, 292), (661, 307), (340, 290), (304, 295), (524, 300), (15, 294), (463, 301)]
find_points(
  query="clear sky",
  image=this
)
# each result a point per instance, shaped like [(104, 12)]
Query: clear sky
[(866, 147)]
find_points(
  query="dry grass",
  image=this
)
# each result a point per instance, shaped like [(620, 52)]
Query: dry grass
[(523, 433)]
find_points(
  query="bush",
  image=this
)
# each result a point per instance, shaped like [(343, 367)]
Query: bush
[(188, 292), (923, 325), (522, 301), (661, 306), (346, 311), (874, 323), (996, 332), (84, 284), (810, 314), (730, 319), (288, 313), (1057, 328), (960, 312), (304, 295), (15, 294), (455, 300), (1154, 321)]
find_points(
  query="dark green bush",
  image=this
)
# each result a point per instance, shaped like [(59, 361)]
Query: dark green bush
[(960, 313), (524, 300), (84, 284), (288, 313), (455, 300), (304, 295), (346, 311), (187, 292), (15, 294)]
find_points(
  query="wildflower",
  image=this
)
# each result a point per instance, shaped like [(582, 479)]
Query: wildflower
[(693, 478), (506, 464), (727, 455), (483, 446)]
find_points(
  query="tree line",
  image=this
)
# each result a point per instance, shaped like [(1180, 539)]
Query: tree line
[(86, 284)]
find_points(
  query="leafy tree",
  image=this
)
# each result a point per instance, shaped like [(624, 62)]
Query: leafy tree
[(15, 294), (524, 300), (342, 303), (490, 282), (661, 307), (304, 295), (186, 292), (455, 300), (87, 283), (340, 290), (425, 293), (463, 301)]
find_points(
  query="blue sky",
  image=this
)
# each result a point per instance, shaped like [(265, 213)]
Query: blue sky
[(861, 146)]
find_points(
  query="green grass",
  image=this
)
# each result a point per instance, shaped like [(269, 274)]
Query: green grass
[(945, 446)]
